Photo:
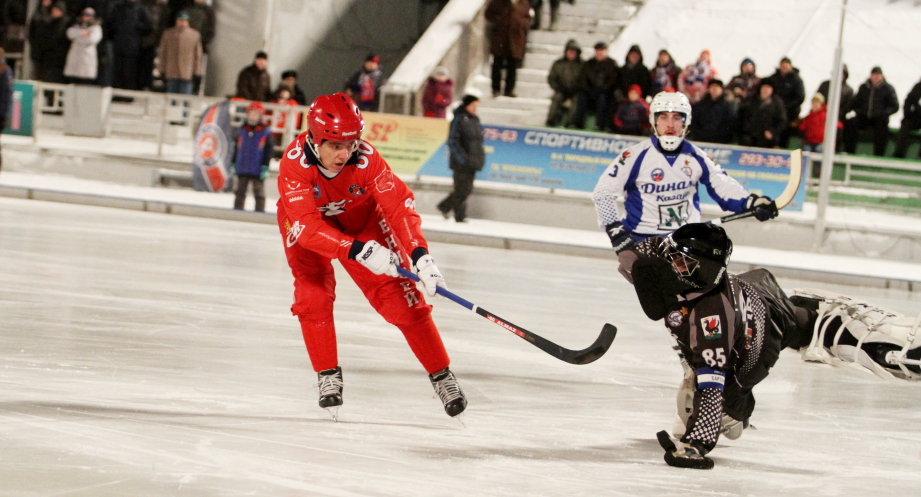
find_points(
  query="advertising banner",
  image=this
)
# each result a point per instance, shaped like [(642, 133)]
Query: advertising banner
[(214, 150), (407, 142), (20, 118), (572, 160)]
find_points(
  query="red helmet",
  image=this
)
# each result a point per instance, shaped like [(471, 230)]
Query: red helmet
[(336, 118)]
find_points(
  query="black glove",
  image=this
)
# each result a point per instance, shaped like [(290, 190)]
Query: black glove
[(764, 207), (682, 455), (620, 237)]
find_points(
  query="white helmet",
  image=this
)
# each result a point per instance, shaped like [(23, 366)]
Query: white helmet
[(670, 102)]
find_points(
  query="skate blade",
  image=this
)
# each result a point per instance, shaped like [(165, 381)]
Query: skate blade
[(460, 419), (334, 412)]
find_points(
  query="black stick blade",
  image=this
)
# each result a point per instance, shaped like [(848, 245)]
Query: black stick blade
[(595, 350)]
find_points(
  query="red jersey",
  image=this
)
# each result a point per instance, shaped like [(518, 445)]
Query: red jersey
[(325, 214)]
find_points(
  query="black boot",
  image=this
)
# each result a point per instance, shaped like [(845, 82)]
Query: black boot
[(330, 384), (449, 391)]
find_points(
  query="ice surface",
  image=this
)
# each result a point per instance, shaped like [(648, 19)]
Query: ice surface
[(147, 354)]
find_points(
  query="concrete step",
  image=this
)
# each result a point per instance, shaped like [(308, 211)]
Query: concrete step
[(532, 90), (508, 117), (559, 38)]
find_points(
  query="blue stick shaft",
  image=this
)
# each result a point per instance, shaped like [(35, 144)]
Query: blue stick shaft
[(440, 290)]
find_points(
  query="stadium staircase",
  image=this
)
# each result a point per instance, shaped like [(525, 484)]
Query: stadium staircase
[(586, 21)]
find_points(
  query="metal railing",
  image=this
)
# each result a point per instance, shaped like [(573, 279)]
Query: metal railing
[(893, 170), (160, 117)]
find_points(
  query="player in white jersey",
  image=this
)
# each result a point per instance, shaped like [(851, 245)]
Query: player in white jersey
[(657, 181)]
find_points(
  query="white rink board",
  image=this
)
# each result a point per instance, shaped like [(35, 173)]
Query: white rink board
[(146, 354)]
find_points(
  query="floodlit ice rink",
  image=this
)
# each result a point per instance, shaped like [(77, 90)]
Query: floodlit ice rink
[(154, 355)]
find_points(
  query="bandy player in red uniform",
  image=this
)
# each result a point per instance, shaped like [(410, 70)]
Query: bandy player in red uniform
[(340, 200)]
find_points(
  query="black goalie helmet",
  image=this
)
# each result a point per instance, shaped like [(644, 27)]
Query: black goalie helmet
[(699, 253)]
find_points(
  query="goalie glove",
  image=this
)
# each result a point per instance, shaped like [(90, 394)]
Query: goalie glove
[(429, 275), (682, 455), (764, 207), (374, 256), (620, 237)]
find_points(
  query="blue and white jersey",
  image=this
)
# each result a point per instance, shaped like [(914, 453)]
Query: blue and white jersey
[(659, 189)]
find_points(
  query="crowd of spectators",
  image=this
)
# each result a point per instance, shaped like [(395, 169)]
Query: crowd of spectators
[(750, 110)]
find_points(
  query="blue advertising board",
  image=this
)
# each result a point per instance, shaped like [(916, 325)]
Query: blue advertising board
[(573, 160)]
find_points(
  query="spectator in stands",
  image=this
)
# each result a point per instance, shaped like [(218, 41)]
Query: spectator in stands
[(365, 85), (82, 66), (289, 78), (847, 94), (48, 41), (126, 26), (694, 79), (180, 56), (665, 74), (767, 118), (280, 120), (438, 94), (509, 21), (600, 76), (254, 82), (202, 19), (632, 117), (876, 100), (537, 5), (788, 85), (466, 157), (6, 93), (634, 72), (254, 151), (158, 13), (714, 116), (743, 87), (564, 79), (911, 121), (813, 126)]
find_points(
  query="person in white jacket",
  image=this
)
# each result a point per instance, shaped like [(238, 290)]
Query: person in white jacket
[(82, 59)]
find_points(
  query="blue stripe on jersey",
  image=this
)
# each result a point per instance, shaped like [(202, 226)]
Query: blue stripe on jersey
[(727, 204), (710, 378), (634, 202)]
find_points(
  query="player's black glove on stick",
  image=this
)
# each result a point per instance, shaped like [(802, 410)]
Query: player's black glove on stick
[(764, 207), (682, 455), (620, 237)]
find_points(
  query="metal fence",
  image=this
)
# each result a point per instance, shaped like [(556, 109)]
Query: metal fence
[(160, 117)]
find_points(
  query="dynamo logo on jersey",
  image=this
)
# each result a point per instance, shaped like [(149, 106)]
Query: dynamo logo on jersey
[(657, 175)]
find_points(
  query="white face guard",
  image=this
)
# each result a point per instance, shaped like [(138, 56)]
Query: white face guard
[(670, 102)]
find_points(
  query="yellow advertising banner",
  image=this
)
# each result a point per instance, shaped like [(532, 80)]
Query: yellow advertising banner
[(406, 142)]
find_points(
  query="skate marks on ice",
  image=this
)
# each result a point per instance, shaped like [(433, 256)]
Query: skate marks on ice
[(143, 354)]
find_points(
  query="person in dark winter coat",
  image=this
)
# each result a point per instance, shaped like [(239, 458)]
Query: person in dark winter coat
[(126, 25), (767, 118), (633, 72), (289, 79), (665, 74), (6, 92), (564, 78), (788, 85), (509, 21), (467, 157), (911, 120), (632, 117), (254, 82), (600, 76), (438, 94), (876, 100), (714, 116), (49, 42), (743, 87), (365, 85), (254, 151), (847, 94)]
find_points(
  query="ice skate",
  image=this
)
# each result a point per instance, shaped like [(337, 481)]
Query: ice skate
[(330, 385), (449, 391)]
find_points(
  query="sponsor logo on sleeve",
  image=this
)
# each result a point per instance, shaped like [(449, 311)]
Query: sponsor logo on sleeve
[(384, 181), (294, 232), (675, 318), (711, 327)]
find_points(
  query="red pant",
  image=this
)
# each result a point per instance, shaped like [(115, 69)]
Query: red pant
[(396, 299)]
